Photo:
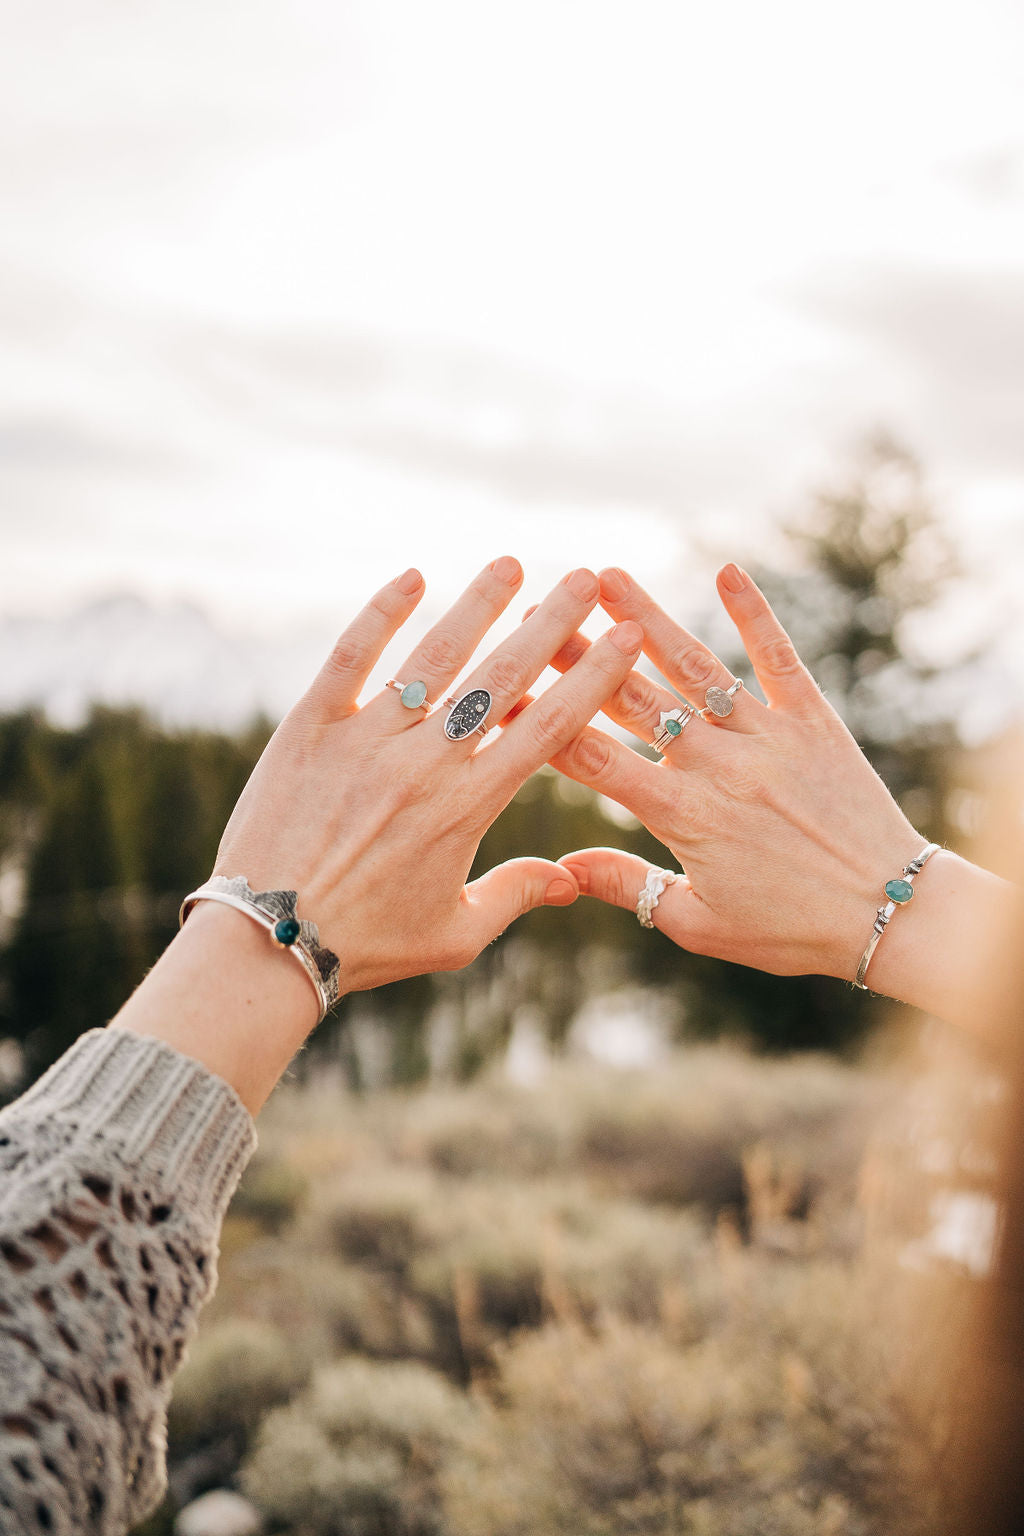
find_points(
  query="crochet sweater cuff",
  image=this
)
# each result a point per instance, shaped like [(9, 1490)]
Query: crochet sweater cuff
[(165, 1110)]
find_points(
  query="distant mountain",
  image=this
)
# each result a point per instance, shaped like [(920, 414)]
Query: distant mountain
[(173, 660)]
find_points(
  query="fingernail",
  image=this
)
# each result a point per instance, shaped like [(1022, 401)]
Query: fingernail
[(529, 613), (628, 637), (410, 582), (582, 584), (560, 893), (507, 569), (614, 585), (581, 875), (731, 578)]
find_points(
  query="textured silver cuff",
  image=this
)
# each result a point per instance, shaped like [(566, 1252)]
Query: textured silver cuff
[(276, 910)]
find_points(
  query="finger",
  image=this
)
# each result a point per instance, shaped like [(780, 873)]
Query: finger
[(494, 901), (448, 645), (335, 690), (561, 712), (687, 663), (508, 672), (786, 681), (638, 703), (618, 879), (613, 769)]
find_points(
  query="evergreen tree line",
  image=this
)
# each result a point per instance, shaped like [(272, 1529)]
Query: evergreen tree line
[(105, 827)]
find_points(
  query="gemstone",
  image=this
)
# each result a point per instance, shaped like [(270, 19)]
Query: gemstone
[(673, 727), (413, 695), (719, 702), (286, 931), (467, 714), (899, 890)]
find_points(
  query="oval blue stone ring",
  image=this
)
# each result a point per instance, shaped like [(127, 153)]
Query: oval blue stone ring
[(412, 695)]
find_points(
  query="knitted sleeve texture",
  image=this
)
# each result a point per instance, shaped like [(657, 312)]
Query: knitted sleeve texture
[(116, 1169)]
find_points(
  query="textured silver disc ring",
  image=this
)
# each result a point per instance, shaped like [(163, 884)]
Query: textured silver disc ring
[(412, 695), (670, 725), (468, 714), (718, 701)]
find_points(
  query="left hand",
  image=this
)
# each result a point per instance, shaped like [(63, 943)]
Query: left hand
[(784, 829)]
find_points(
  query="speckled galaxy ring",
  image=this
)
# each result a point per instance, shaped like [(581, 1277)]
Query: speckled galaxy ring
[(467, 714)]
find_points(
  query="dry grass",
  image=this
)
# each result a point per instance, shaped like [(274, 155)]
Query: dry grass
[(616, 1304)]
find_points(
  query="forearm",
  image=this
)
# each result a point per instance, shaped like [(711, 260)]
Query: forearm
[(947, 951), (223, 994), (115, 1171)]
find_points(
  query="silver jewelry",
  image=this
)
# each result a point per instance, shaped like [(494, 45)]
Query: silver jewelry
[(718, 701), (412, 695), (899, 892), (467, 714), (670, 725), (654, 887), (276, 911)]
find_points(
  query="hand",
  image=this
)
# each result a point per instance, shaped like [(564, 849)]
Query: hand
[(374, 816), (786, 833)]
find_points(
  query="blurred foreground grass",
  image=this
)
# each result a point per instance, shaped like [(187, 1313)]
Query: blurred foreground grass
[(608, 1304)]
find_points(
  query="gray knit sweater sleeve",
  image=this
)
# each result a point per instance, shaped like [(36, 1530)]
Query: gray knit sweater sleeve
[(116, 1169)]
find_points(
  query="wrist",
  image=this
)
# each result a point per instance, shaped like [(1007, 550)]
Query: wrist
[(942, 952), (224, 994)]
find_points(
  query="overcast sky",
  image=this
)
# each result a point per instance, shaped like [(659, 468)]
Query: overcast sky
[(293, 295)]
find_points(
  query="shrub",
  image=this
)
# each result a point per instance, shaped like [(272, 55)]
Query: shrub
[(271, 1192), (359, 1454), (234, 1372)]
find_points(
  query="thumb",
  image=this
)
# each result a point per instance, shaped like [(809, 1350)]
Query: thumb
[(510, 889), (618, 878)]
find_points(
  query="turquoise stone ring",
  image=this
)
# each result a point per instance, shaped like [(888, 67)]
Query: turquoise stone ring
[(412, 695), (671, 724)]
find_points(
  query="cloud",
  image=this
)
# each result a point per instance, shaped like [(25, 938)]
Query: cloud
[(951, 340)]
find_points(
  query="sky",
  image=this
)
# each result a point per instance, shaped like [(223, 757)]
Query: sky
[(293, 296)]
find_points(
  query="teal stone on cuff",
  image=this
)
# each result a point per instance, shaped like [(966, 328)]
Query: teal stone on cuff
[(286, 931), (414, 695), (899, 891)]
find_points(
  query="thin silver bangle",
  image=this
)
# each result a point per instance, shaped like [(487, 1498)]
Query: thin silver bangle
[(899, 891)]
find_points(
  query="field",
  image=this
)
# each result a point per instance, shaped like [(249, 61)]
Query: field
[(695, 1301)]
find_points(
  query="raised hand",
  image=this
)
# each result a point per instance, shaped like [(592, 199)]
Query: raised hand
[(374, 815), (785, 832)]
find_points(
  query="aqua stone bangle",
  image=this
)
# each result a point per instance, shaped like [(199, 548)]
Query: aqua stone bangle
[(276, 911), (898, 893)]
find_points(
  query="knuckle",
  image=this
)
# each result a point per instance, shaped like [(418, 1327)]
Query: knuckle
[(439, 653), (691, 663), (348, 655), (778, 656), (553, 721), (508, 676), (635, 700), (384, 605), (589, 756)]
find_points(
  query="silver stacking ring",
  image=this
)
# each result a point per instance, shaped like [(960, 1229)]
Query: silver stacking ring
[(718, 701), (654, 888), (412, 695), (670, 725), (467, 714)]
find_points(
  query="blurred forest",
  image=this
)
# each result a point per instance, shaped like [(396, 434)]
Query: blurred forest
[(103, 829)]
